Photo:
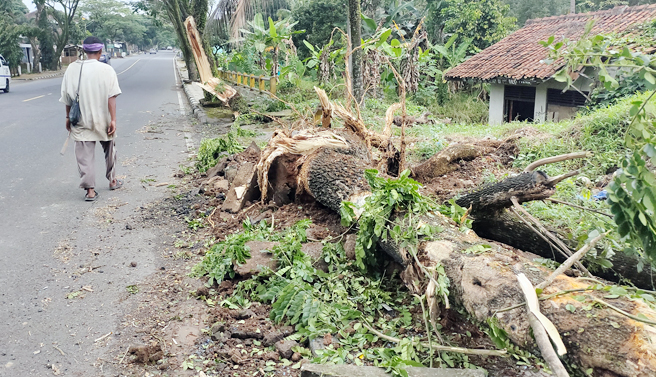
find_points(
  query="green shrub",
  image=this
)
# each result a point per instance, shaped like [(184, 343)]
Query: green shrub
[(210, 150)]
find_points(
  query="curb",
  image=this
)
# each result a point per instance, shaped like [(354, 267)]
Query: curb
[(196, 108), (41, 77)]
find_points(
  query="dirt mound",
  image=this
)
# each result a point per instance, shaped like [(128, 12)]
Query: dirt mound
[(463, 167)]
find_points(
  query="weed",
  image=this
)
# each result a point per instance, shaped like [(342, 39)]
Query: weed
[(195, 224), (132, 289)]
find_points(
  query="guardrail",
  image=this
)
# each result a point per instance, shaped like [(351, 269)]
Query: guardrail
[(250, 81)]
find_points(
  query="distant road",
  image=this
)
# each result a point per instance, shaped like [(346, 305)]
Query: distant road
[(42, 213)]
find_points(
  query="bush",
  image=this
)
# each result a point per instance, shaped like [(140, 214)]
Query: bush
[(461, 107), (210, 150)]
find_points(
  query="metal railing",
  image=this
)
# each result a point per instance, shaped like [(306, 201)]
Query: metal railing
[(251, 81)]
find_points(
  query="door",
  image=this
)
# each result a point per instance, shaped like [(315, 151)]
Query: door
[(519, 103)]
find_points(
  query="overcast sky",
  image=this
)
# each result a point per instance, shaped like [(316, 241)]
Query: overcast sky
[(29, 4)]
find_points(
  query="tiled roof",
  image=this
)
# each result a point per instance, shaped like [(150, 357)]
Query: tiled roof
[(519, 55)]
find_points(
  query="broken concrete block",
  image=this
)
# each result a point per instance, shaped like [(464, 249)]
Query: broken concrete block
[(349, 246), (314, 251), (243, 189), (321, 370), (284, 348), (260, 258), (221, 184)]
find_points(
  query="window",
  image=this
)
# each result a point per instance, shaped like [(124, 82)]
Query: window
[(570, 98)]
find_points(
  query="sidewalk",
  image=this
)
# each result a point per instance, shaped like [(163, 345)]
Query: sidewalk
[(193, 92), (39, 76)]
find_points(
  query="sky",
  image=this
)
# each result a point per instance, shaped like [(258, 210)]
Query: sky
[(30, 5)]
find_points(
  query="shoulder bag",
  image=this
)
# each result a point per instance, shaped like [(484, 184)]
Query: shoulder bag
[(74, 115)]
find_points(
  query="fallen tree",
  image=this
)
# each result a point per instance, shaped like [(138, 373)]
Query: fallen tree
[(213, 85), (329, 165), (484, 283)]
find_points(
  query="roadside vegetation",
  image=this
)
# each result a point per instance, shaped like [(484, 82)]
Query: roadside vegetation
[(343, 294)]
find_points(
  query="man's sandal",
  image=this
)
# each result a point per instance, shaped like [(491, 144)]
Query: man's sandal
[(118, 185), (88, 198)]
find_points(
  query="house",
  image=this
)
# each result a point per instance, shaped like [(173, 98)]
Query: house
[(71, 53), (521, 82)]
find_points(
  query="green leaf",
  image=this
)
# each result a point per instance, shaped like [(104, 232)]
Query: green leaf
[(650, 78), (272, 29), (368, 22), (309, 45)]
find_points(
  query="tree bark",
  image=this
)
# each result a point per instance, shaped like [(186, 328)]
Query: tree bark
[(355, 24), (484, 283), (511, 231)]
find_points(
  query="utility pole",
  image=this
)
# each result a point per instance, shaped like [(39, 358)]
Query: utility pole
[(572, 6)]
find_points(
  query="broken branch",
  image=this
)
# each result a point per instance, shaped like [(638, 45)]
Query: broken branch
[(579, 207), (468, 351), (570, 261), (547, 233), (559, 158), (559, 178), (540, 329)]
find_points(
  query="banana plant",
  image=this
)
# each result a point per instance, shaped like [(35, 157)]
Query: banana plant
[(453, 54), (269, 40)]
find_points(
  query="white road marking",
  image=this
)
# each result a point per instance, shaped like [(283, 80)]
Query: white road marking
[(181, 101), (29, 99), (128, 67)]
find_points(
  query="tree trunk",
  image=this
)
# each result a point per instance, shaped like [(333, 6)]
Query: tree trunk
[(511, 231), (483, 283), (355, 24), (45, 38), (572, 6), (177, 17)]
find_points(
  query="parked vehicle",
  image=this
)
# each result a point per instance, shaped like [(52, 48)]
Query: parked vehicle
[(152, 51), (105, 58), (169, 48), (5, 75)]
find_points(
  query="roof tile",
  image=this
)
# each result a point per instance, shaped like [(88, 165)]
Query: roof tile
[(519, 55)]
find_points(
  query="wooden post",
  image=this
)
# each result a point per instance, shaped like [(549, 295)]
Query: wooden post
[(261, 83), (273, 82), (252, 82)]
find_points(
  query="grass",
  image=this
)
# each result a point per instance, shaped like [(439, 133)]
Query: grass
[(600, 131)]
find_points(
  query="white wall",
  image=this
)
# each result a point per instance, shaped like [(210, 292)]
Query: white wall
[(540, 109), (495, 115), (540, 112)]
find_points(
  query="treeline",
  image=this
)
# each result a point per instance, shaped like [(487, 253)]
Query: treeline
[(57, 23)]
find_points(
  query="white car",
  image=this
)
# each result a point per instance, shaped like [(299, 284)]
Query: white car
[(5, 75)]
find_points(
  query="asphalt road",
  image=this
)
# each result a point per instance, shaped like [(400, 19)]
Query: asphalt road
[(51, 240)]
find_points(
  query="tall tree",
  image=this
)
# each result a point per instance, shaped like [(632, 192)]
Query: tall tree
[(42, 39), (63, 12), (177, 12), (483, 21), (9, 33), (355, 28)]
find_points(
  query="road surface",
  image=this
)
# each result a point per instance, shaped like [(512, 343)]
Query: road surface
[(64, 262)]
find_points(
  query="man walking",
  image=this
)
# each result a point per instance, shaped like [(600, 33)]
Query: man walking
[(97, 86)]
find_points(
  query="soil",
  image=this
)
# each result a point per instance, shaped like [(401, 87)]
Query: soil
[(493, 164)]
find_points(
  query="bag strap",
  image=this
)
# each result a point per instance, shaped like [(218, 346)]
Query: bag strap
[(79, 81)]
